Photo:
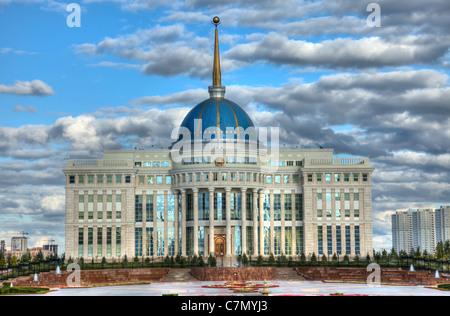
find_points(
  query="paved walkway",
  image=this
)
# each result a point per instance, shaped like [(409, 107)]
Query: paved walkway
[(285, 288)]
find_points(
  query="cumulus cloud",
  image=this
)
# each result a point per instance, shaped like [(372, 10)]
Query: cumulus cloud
[(35, 87)]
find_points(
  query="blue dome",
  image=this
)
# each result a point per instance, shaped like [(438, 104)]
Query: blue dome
[(217, 113)]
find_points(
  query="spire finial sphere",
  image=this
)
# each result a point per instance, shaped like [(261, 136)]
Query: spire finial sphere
[(216, 21)]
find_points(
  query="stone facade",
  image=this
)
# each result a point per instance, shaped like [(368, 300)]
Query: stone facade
[(142, 203)]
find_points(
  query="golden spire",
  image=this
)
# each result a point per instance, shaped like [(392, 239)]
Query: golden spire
[(217, 80)]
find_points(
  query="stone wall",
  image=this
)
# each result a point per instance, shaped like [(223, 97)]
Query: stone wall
[(233, 274)]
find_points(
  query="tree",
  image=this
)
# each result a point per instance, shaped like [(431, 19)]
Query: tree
[(212, 261), (245, 260), (2, 260), (313, 259), (260, 261), (271, 260)]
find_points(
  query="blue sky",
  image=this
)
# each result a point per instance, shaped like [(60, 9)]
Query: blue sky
[(133, 69)]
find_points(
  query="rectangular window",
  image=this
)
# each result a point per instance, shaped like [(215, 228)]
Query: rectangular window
[(160, 241), (337, 177), (80, 242), (90, 198), (319, 213), (277, 179), (160, 207), (99, 242), (298, 207), (109, 179), (149, 242), (356, 213), (81, 179), (164, 164), (90, 242), (338, 240), (269, 179), (329, 240), (348, 250), (159, 180), (215, 176), (320, 239), (327, 177), (337, 196), (356, 196), (150, 180), (155, 164), (329, 212), (277, 207), (295, 178), (347, 196), (346, 177), (347, 213), (138, 209), (99, 179), (277, 240), (310, 177), (197, 175), (338, 213), (80, 198), (138, 242), (365, 177), (357, 246), (141, 179), (118, 241), (71, 179), (288, 207), (206, 177), (319, 196), (91, 179), (319, 177), (168, 180), (355, 177), (288, 240), (149, 208), (118, 179), (328, 196)]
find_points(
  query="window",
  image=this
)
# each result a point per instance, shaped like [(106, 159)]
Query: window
[(310, 177), (241, 177), (295, 178), (197, 177), (365, 177), (155, 164), (346, 177), (277, 179), (286, 179), (165, 164), (118, 179), (190, 177), (206, 176), (90, 198), (347, 213), (91, 179), (99, 179), (159, 180), (80, 198), (269, 179), (319, 196), (141, 179), (319, 213), (356, 213), (356, 196), (118, 198), (347, 196), (337, 177), (109, 179), (337, 196), (150, 180), (168, 180), (298, 163), (138, 209), (329, 212), (328, 177), (289, 163), (328, 196), (215, 176), (233, 176), (127, 179), (355, 177), (72, 179), (81, 179), (319, 177), (338, 213)]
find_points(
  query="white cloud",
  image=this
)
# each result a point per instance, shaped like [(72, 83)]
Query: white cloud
[(35, 87)]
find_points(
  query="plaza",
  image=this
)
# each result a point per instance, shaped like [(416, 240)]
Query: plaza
[(285, 288)]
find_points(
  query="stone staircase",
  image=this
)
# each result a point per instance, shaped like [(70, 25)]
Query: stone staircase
[(287, 274), (179, 275)]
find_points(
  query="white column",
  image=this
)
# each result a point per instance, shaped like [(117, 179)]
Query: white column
[(195, 220), (244, 220), (211, 220), (255, 222), (228, 218)]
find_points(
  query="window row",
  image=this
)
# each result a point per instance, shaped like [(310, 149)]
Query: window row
[(326, 246), (338, 177), (337, 196)]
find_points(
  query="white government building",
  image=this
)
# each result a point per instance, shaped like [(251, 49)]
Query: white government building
[(245, 195)]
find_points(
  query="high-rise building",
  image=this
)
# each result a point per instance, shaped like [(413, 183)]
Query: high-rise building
[(2, 246), (219, 189), (19, 244), (422, 228), (442, 224)]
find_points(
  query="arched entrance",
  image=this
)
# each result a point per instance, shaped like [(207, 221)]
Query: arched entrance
[(220, 245)]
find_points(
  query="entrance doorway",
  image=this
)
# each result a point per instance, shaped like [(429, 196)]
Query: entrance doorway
[(220, 245)]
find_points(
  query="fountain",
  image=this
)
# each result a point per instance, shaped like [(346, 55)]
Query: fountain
[(265, 291), (58, 270), (35, 279), (411, 269), (437, 274)]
